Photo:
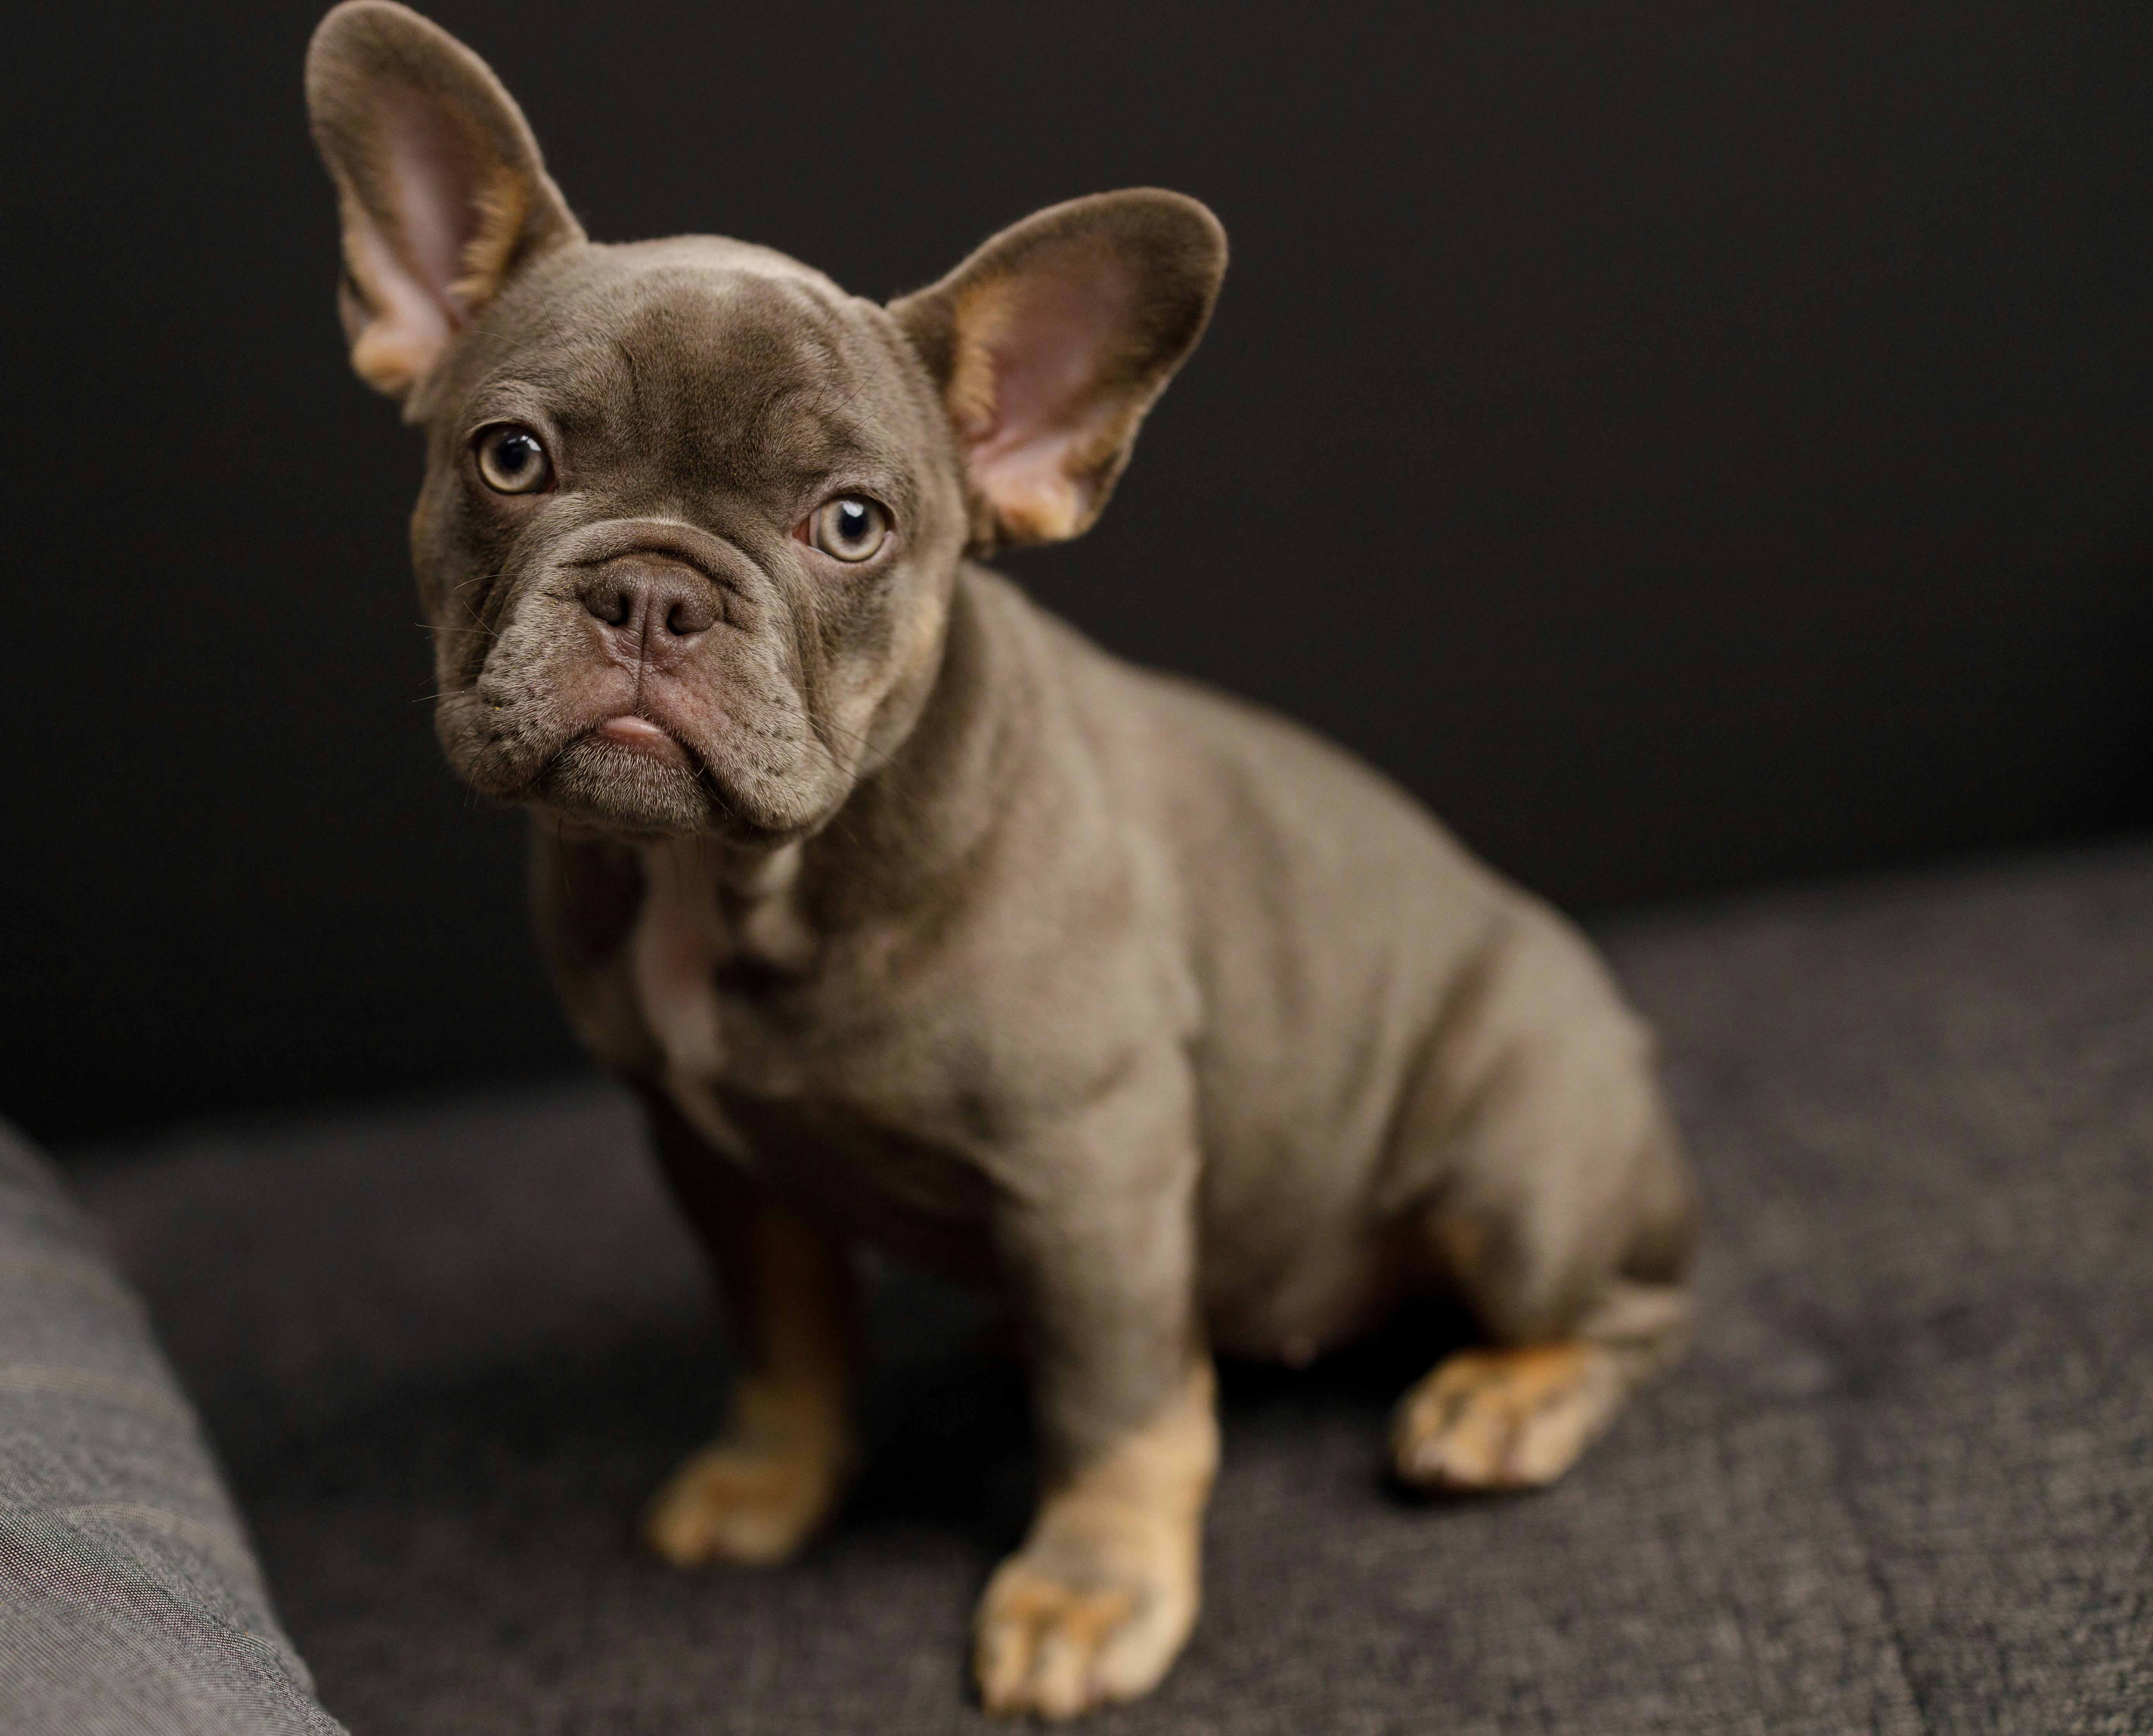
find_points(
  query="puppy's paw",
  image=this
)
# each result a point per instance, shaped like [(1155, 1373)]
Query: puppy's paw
[(1505, 1419), (744, 1501), (1057, 1634), (1101, 1597)]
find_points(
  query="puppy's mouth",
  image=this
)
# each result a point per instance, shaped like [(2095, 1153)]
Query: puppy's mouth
[(629, 776), (632, 733)]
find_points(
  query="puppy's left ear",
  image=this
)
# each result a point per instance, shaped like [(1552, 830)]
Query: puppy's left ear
[(443, 196), (1052, 340)]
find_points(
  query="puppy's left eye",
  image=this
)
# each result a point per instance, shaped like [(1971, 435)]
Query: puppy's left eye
[(511, 460), (849, 528)]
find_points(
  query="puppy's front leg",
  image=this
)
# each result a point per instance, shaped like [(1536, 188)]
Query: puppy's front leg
[(763, 1487), (1101, 1598)]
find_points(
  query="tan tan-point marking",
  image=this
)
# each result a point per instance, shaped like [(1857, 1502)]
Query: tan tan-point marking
[(1100, 1599), (759, 1492), (1505, 1419)]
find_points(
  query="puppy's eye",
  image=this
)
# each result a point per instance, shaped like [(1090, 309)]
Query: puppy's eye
[(511, 460), (849, 528)]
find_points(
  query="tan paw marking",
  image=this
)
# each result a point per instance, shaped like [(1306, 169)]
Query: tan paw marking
[(1058, 1650), (1505, 1419), (1100, 1599), (1060, 1644), (738, 1502)]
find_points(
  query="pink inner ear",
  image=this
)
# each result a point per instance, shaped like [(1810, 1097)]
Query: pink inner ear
[(431, 180), (434, 181), (1053, 333)]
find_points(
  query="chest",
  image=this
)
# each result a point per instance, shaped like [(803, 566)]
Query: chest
[(791, 1068), (707, 961)]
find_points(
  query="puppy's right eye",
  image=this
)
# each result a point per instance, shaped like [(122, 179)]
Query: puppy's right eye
[(511, 460)]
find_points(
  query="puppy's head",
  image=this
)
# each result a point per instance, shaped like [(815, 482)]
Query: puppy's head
[(692, 514)]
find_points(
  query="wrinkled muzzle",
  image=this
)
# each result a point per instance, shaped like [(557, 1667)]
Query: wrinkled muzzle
[(643, 677)]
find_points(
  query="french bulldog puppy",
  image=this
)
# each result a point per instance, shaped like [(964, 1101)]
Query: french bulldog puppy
[(917, 918)]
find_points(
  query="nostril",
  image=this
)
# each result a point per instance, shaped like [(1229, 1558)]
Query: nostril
[(652, 601), (611, 604), (688, 616)]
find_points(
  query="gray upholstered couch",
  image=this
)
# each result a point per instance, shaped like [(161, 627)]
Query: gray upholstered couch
[(1905, 1483)]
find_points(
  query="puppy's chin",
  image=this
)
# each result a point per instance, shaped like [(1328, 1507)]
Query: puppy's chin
[(634, 786), (597, 783)]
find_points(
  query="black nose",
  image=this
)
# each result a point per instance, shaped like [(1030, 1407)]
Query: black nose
[(651, 604)]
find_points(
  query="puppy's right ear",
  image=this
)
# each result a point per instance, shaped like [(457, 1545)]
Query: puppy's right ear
[(443, 195)]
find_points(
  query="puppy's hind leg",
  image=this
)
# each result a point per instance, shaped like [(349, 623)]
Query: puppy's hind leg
[(1566, 1228), (1518, 1415)]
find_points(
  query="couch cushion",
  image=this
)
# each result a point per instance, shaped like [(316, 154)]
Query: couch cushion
[(1905, 1483), (129, 1597)]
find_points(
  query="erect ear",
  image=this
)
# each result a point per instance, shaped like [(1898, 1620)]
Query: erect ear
[(1052, 340), (443, 196)]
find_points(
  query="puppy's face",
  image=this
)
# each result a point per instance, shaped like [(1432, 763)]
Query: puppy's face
[(689, 526), (693, 514)]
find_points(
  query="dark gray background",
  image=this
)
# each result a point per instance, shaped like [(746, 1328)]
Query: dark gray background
[(1687, 446)]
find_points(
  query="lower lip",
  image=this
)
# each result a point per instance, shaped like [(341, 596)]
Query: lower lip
[(639, 735)]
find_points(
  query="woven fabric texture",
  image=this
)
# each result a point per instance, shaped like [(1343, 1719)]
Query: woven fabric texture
[(1904, 1483), (130, 1603)]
